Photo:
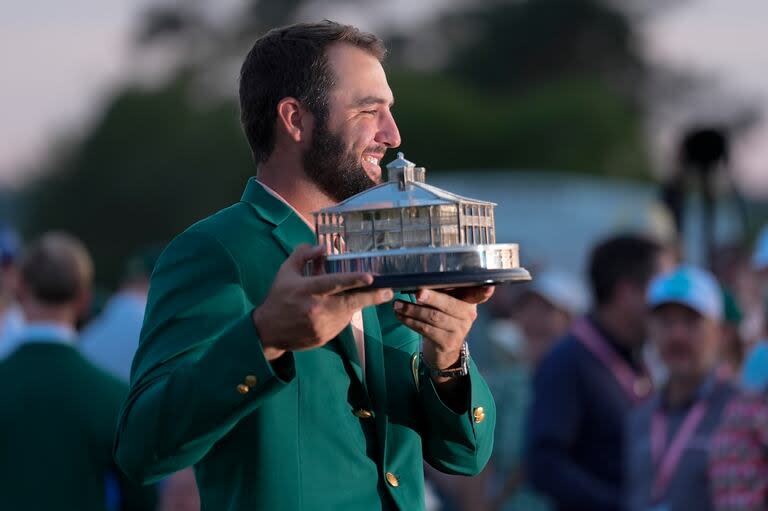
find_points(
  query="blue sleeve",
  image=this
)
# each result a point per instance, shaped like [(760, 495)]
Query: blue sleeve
[(552, 430), (754, 374)]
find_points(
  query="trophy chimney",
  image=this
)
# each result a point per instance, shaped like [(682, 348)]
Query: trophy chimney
[(402, 171)]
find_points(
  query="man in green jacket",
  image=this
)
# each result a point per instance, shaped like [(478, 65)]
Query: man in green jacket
[(58, 411), (289, 392)]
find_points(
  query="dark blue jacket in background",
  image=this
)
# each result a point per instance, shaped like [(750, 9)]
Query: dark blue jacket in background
[(574, 435)]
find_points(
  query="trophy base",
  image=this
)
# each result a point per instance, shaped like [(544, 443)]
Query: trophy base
[(408, 269), (409, 283)]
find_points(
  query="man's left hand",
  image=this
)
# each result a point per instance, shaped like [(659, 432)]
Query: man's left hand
[(444, 320)]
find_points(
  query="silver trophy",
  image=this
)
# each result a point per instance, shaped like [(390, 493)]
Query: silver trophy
[(411, 235)]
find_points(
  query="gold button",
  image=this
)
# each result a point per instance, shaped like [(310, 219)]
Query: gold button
[(479, 414), (243, 388), (392, 479), (363, 413), (251, 380)]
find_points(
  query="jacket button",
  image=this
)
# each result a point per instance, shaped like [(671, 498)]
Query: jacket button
[(479, 414), (243, 388), (363, 413), (392, 479), (251, 380)]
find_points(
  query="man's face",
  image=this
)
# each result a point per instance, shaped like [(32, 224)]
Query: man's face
[(634, 298), (345, 153), (687, 342)]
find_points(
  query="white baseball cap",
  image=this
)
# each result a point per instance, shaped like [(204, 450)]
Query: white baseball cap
[(690, 286)]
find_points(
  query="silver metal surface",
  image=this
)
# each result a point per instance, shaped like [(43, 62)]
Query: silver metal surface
[(411, 235), (469, 258)]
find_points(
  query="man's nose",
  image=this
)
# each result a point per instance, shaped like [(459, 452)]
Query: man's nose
[(388, 134)]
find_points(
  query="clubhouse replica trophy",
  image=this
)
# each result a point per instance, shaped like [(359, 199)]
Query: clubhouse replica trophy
[(412, 235)]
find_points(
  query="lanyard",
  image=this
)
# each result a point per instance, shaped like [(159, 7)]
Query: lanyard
[(636, 387), (667, 459)]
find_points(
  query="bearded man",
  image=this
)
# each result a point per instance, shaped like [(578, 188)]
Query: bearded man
[(293, 392)]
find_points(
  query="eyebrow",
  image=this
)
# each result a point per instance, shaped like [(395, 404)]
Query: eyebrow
[(372, 100)]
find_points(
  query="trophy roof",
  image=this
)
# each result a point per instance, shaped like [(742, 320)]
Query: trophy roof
[(389, 195)]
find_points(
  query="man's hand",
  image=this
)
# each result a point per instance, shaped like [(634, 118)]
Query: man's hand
[(444, 320), (301, 312)]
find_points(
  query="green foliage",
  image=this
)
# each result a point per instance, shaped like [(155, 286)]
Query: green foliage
[(512, 45), (574, 124), (156, 162)]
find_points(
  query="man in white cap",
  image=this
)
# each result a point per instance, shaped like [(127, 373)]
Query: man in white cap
[(668, 436)]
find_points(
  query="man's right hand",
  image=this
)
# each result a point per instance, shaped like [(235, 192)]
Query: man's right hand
[(302, 313)]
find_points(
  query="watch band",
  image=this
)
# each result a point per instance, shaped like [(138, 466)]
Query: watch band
[(461, 369)]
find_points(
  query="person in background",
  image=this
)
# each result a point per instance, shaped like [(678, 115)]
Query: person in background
[(585, 386), (732, 348), (738, 464), (59, 412), (11, 317), (754, 374), (111, 340), (541, 315), (668, 436)]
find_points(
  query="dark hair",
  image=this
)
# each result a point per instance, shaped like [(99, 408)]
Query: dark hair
[(56, 268), (621, 258), (291, 62)]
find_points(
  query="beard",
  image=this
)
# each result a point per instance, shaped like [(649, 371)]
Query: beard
[(339, 173)]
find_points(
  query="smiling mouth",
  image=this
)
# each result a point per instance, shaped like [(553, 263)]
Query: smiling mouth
[(371, 159)]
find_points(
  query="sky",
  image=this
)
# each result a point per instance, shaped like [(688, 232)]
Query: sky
[(60, 60)]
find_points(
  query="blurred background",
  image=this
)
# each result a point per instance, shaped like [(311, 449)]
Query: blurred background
[(120, 121), (580, 118)]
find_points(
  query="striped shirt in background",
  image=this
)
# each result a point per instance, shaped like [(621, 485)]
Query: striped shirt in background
[(739, 456)]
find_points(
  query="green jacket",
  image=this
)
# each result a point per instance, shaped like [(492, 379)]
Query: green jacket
[(202, 392), (57, 425)]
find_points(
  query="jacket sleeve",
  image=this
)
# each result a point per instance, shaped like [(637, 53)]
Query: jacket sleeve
[(458, 441), (552, 430), (200, 366)]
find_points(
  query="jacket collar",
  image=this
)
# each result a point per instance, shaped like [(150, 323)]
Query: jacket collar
[(290, 229)]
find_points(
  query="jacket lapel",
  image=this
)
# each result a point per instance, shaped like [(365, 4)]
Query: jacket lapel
[(289, 231), (347, 342), (374, 371)]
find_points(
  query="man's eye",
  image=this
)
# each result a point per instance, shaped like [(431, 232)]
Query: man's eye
[(370, 112)]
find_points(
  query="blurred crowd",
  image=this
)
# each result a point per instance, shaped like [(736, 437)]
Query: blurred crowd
[(641, 385)]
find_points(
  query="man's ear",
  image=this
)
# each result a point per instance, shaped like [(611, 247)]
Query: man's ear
[(293, 119), (83, 304)]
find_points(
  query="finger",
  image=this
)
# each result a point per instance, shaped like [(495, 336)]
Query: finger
[(425, 329), (445, 303), (429, 315), (335, 283), (359, 300), (474, 294), (303, 253)]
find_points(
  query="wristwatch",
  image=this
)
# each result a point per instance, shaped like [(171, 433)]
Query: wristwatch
[(461, 368)]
